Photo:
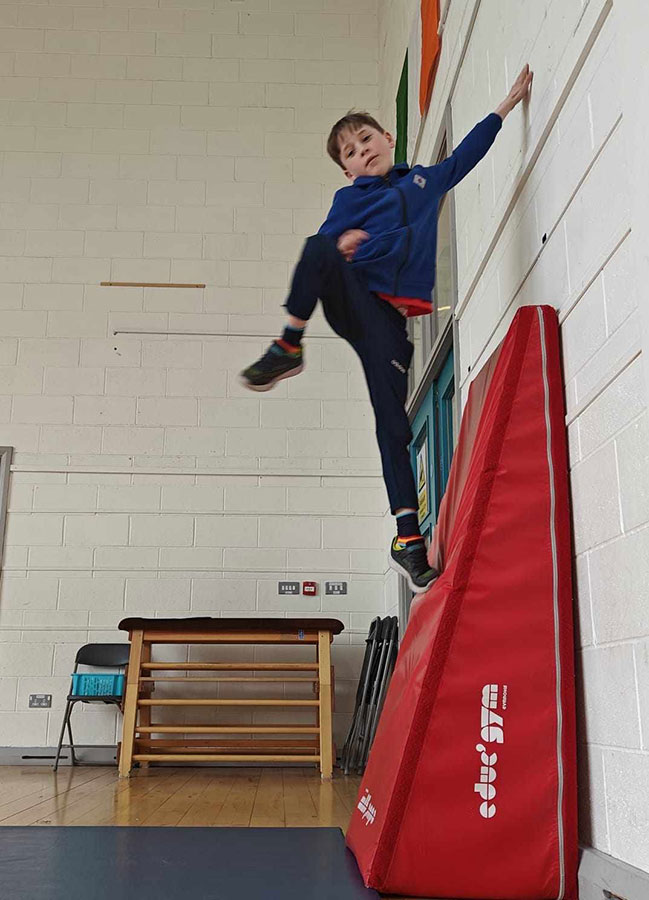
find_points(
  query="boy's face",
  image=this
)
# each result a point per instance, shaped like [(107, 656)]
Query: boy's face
[(366, 152)]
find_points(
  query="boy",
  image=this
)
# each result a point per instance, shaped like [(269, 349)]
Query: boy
[(372, 264)]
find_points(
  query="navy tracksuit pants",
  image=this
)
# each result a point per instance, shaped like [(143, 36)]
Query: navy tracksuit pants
[(377, 332)]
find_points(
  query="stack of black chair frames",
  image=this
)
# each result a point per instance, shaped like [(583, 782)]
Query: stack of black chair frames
[(381, 648)]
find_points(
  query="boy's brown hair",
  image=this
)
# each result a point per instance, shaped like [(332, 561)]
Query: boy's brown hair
[(353, 121)]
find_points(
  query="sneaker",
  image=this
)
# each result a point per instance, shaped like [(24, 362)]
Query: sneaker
[(274, 365), (410, 560)]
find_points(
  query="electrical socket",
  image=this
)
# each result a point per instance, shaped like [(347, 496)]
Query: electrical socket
[(40, 701), (288, 587), (335, 587)]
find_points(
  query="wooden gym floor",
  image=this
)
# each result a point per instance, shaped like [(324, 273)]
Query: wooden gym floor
[(246, 797), (264, 797)]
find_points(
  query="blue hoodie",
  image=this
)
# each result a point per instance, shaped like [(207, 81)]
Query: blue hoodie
[(399, 212)]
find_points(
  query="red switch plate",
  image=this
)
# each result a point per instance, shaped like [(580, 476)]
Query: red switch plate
[(310, 587)]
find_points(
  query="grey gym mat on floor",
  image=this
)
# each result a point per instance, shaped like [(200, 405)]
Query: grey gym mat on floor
[(141, 863)]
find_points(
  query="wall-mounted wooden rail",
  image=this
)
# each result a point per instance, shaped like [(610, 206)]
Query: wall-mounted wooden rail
[(148, 284)]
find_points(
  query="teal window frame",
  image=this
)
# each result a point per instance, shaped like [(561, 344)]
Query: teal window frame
[(433, 423)]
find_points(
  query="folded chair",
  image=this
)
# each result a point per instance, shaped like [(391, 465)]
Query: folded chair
[(98, 656)]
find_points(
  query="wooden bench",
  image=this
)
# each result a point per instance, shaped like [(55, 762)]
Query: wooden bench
[(138, 741)]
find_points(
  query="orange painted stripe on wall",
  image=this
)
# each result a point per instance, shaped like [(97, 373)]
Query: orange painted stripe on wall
[(429, 50)]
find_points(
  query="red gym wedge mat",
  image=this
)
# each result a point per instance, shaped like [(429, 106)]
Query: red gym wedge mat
[(470, 788)]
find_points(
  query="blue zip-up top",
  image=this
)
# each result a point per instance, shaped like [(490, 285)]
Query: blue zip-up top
[(399, 212)]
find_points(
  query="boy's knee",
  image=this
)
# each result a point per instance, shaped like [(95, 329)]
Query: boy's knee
[(319, 245)]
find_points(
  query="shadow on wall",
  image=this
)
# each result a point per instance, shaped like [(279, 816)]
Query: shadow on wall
[(584, 774)]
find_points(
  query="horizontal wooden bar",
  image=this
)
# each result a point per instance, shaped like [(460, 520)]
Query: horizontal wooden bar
[(236, 679), (193, 746), (227, 729), (218, 702), (155, 284), (231, 667), (158, 636), (225, 757)]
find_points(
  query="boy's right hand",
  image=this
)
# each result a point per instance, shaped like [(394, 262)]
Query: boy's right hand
[(519, 91), (349, 242)]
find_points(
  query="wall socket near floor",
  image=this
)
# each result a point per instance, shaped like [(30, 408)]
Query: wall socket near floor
[(40, 701), (335, 587), (288, 587)]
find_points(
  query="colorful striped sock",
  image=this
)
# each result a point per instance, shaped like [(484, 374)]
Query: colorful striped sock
[(283, 349)]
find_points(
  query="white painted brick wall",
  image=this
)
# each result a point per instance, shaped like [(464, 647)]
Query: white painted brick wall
[(546, 219)]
